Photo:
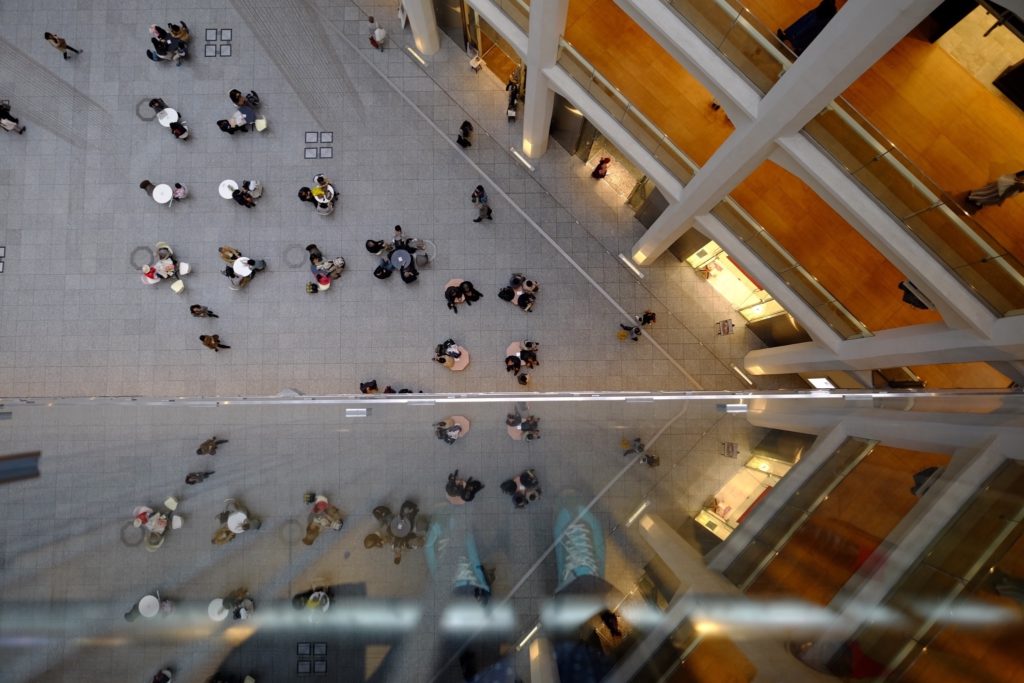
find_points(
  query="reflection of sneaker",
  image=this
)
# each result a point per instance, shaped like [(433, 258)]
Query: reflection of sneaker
[(580, 552), (468, 570)]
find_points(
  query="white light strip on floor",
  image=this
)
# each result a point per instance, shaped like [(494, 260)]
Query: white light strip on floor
[(629, 264), (416, 56), (639, 511), (521, 158), (743, 375)]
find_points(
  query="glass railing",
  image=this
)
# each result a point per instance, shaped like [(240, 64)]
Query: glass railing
[(757, 52), (926, 211), (518, 11), (769, 541), (623, 111), (801, 282)]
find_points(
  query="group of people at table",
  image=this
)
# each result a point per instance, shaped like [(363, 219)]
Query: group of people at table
[(322, 195), (398, 253)]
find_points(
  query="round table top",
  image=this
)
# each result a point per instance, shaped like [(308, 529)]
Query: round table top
[(166, 117), (237, 519), (514, 349), (227, 187), (248, 113), (400, 258), (400, 528), (162, 193), (462, 422), (454, 282), (149, 606), (216, 610), (462, 362), (515, 432)]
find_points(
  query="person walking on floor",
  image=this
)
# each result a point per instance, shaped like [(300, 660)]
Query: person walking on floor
[(212, 341), (209, 447), (193, 478), (996, 192), (479, 197), (60, 44), (201, 311)]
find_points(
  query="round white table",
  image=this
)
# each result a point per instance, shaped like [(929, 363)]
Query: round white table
[(216, 610), (227, 187), (162, 193), (242, 269), (166, 117), (236, 520), (149, 606), (400, 258)]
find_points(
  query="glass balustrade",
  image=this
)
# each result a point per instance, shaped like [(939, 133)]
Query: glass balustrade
[(801, 282), (926, 210), (516, 10), (640, 128)]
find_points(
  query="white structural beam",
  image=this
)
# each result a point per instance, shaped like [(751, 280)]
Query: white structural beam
[(912, 423), (904, 346), (860, 34), (423, 23), (705, 63), (547, 24)]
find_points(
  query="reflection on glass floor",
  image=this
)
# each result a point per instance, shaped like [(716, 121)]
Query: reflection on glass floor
[(600, 567)]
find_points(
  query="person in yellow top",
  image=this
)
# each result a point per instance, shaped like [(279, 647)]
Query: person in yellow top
[(60, 44)]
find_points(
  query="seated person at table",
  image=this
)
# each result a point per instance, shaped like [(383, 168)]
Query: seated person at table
[(512, 364), (307, 196), (469, 291), (375, 247), (454, 295), (157, 105), (409, 274), (529, 359), (507, 294), (237, 98), (526, 301), (226, 126), (383, 270), (253, 187), (179, 130), (243, 198)]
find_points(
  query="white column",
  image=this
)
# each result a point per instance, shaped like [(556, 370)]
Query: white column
[(423, 24), (547, 24), (859, 35), (915, 345)]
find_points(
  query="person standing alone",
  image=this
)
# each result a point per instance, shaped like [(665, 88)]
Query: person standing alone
[(479, 197), (60, 44)]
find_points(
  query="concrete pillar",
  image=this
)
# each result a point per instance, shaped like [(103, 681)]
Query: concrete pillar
[(915, 345), (547, 24), (423, 24), (860, 34)]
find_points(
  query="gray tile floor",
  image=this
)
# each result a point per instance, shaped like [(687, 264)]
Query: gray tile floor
[(77, 321)]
